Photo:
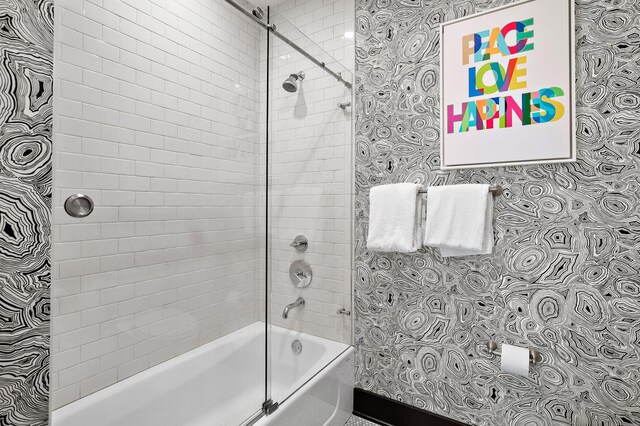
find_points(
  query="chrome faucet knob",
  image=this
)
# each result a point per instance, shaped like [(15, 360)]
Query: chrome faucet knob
[(300, 243), (300, 273)]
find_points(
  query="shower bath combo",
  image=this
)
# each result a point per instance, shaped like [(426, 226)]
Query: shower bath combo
[(213, 315)]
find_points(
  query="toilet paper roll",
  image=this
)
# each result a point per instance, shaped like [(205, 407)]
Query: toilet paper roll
[(515, 360)]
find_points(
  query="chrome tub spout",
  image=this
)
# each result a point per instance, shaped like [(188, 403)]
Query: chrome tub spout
[(299, 303)]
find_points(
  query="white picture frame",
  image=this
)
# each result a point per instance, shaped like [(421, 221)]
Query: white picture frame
[(551, 141)]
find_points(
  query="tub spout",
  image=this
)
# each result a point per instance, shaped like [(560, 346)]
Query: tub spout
[(299, 303)]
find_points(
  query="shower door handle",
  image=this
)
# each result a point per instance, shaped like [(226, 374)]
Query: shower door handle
[(79, 205)]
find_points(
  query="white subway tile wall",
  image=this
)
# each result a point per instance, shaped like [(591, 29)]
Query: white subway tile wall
[(157, 118), (310, 151), (328, 23)]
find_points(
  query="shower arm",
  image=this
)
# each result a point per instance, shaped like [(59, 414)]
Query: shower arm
[(272, 28)]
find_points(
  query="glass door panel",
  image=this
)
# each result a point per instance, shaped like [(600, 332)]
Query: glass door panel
[(161, 121), (310, 192)]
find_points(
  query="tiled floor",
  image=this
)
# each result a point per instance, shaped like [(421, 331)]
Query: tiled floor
[(357, 421)]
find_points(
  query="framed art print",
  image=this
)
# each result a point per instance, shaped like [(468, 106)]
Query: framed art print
[(507, 86)]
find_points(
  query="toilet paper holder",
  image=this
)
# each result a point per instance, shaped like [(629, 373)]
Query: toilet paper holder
[(534, 356)]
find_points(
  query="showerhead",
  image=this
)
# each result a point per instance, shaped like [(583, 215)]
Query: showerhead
[(292, 82)]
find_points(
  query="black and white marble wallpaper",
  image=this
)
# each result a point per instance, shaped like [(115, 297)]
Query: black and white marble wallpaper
[(564, 276), (26, 85)]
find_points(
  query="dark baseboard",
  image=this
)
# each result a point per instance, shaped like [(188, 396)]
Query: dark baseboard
[(386, 411)]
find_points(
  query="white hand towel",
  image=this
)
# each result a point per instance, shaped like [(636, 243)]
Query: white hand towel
[(460, 220), (394, 213)]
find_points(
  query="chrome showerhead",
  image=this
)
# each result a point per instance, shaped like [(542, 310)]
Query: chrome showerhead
[(292, 82)]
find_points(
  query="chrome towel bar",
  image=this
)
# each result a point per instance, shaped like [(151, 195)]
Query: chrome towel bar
[(495, 189)]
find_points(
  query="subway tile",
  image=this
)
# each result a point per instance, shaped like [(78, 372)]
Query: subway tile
[(117, 230), (121, 9), (79, 302), (64, 323), (134, 183), (118, 167), (115, 262), (81, 24), (132, 152), (100, 247), (116, 358), (130, 368), (78, 338), (99, 148), (117, 134), (116, 294), (98, 281), (96, 349), (98, 381), (117, 326), (111, 34), (65, 395), (100, 48), (65, 359), (117, 102), (99, 181), (79, 267), (95, 12)]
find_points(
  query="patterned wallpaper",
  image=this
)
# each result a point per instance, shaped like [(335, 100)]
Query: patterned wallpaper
[(26, 64), (564, 276)]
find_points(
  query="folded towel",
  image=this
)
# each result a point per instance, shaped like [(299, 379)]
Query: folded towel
[(460, 220), (394, 214)]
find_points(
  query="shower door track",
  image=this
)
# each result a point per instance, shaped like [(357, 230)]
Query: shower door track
[(272, 28)]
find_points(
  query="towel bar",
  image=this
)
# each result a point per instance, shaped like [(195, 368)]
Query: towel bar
[(534, 356), (495, 189)]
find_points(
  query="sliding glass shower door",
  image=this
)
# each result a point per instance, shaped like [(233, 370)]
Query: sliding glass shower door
[(160, 124), (309, 204)]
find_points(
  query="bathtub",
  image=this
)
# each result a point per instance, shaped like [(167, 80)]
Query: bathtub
[(222, 383)]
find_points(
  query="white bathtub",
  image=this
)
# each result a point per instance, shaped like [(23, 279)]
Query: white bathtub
[(222, 383)]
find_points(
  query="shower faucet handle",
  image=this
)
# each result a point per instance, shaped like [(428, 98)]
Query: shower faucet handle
[(300, 243), (300, 273)]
